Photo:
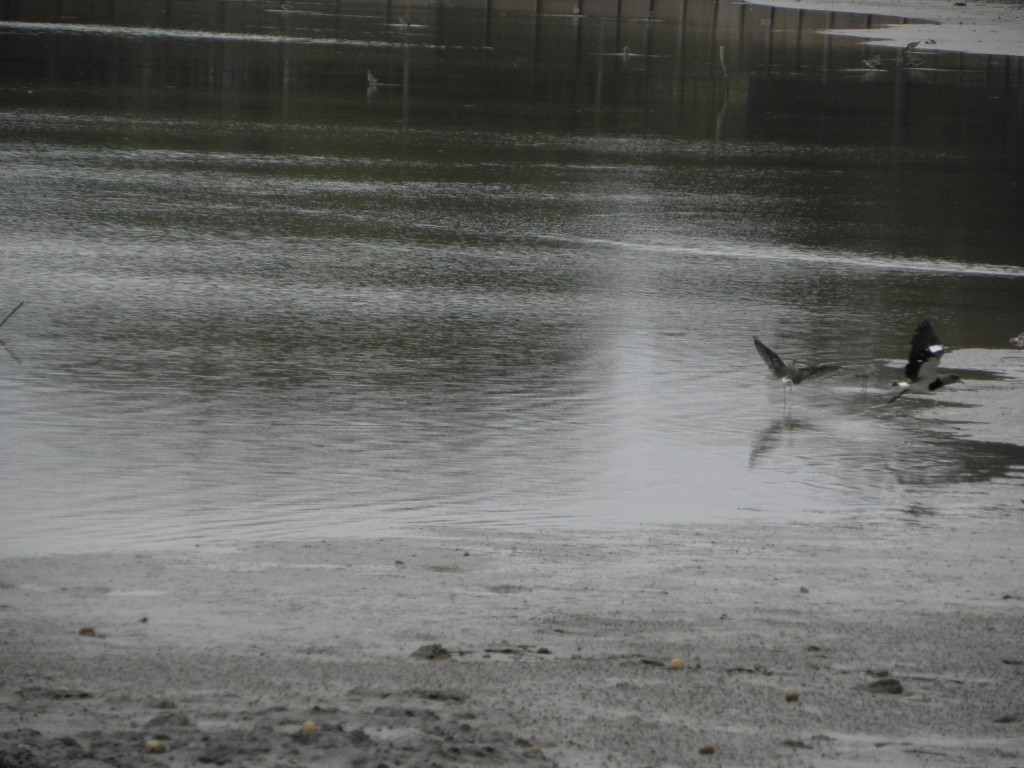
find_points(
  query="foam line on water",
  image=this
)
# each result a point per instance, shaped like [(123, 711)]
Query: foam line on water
[(182, 34)]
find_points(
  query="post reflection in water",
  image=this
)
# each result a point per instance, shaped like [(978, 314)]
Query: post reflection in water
[(332, 268)]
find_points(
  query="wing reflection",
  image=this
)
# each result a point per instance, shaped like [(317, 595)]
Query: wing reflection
[(769, 438), (10, 352), (9, 315)]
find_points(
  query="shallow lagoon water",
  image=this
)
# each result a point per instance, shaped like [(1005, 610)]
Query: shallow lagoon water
[(513, 284)]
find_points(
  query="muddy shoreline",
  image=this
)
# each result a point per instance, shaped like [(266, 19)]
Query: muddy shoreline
[(976, 27), (829, 644)]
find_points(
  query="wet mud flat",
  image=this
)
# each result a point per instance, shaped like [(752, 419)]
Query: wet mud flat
[(987, 27), (857, 642)]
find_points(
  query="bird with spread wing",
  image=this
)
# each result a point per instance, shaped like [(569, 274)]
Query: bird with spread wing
[(792, 373), (922, 369)]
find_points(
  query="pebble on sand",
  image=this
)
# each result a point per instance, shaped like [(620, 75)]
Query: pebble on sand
[(308, 728), (433, 652), (792, 696), (677, 664), (707, 749), (156, 746), (87, 632), (886, 685)]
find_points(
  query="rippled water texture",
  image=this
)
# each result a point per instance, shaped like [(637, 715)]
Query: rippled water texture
[(512, 283)]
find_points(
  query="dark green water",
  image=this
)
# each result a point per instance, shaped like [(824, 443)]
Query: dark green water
[(513, 283)]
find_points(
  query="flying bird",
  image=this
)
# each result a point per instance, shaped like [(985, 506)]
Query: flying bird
[(922, 368), (792, 373)]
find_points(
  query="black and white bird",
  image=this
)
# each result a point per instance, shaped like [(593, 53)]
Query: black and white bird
[(922, 367), (792, 373), (1018, 340)]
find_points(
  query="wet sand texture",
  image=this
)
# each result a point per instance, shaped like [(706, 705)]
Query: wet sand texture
[(827, 644)]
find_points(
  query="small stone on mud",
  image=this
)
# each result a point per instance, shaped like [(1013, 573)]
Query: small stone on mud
[(432, 651), (886, 685), (792, 696), (87, 632), (308, 727), (677, 664), (804, 591), (156, 746), (169, 720), (707, 749)]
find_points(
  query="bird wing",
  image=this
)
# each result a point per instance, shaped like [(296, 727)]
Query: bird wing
[(807, 373), (772, 360), (926, 370), (925, 351)]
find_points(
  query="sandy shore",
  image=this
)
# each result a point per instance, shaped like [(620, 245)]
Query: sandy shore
[(830, 644), (964, 26)]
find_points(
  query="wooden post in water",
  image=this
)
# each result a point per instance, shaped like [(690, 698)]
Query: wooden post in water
[(828, 42), (714, 26), (742, 26), (799, 37), (405, 84)]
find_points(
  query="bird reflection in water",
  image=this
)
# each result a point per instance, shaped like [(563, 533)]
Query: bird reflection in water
[(772, 436), (2, 344)]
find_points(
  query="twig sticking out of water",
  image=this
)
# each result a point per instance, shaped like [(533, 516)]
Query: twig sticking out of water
[(721, 59), (9, 314)]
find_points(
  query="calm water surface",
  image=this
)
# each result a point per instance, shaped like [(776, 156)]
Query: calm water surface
[(512, 284)]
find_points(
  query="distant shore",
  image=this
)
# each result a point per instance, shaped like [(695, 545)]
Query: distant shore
[(985, 27), (871, 643)]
